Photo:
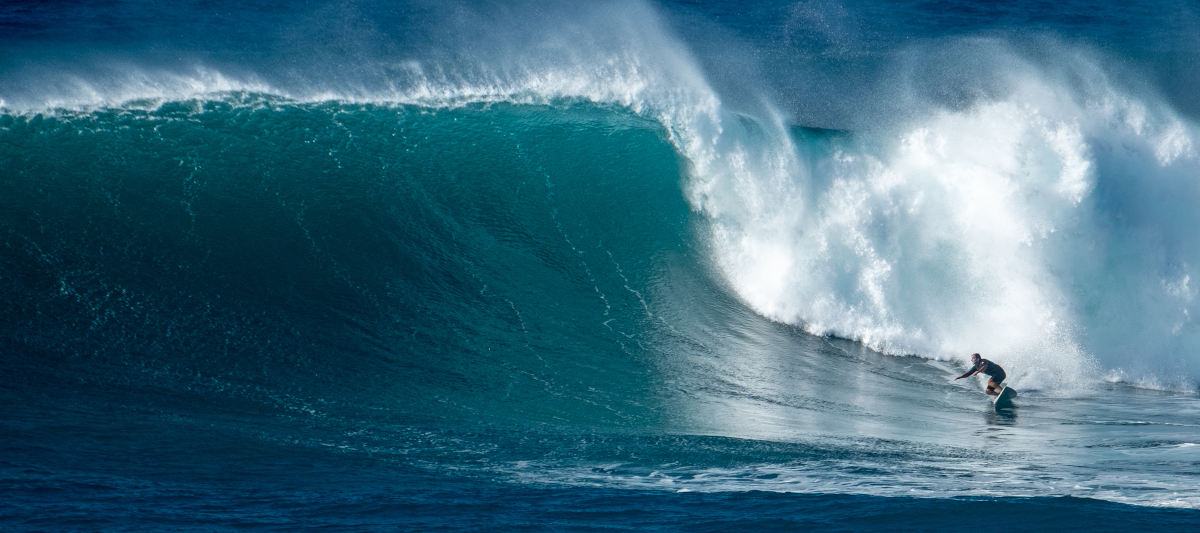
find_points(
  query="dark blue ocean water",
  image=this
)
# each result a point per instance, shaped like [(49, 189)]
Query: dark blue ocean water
[(618, 265)]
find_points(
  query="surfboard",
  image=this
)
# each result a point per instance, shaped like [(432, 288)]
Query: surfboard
[(1005, 398)]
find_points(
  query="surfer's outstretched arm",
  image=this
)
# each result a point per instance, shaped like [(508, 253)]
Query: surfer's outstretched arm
[(969, 373)]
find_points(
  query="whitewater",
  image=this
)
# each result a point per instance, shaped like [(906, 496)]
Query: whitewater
[(631, 264)]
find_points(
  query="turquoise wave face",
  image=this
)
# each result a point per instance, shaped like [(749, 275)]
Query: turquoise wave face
[(367, 254), (1016, 184)]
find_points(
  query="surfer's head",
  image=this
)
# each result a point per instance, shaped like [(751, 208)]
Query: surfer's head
[(974, 358)]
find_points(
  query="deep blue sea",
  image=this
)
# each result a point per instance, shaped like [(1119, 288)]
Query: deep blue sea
[(611, 265)]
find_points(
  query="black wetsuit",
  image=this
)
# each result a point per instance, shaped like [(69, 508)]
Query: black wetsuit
[(989, 368)]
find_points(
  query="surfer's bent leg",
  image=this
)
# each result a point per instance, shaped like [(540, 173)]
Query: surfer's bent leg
[(994, 383), (992, 388)]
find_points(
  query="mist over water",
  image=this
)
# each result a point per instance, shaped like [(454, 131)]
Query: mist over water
[(1047, 222)]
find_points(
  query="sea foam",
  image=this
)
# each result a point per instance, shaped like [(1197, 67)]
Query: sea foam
[(1048, 227)]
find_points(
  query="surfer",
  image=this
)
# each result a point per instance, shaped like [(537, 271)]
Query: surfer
[(993, 370)]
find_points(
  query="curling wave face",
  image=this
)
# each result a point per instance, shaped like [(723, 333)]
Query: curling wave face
[(1044, 218)]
